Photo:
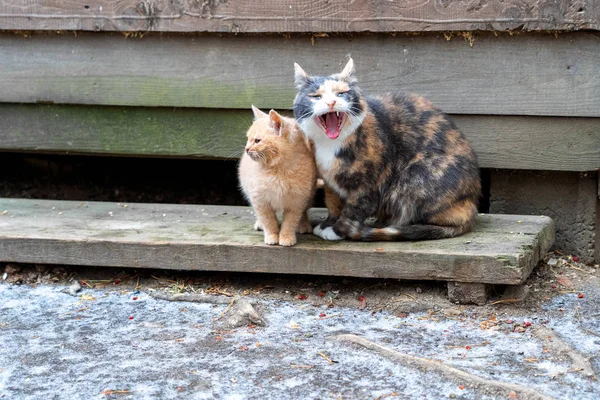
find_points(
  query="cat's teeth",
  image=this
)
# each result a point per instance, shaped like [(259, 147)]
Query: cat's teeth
[(337, 113)]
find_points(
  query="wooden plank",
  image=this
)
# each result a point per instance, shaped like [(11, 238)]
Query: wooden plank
[(216, 238), (506, 75), (543, 143), (124, 131), (298, 16)]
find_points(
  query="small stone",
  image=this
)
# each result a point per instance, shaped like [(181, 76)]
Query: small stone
[(74, 288), (552, 262), (419, 290)]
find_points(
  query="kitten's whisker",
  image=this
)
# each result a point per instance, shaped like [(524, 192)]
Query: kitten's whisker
[(235, 154)]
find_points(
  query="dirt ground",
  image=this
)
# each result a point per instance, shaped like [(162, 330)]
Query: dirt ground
[(116, 338)]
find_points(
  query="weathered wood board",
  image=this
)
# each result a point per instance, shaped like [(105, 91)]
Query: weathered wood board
[(510, 142), (536, 74), (298, 16), (503, 249)]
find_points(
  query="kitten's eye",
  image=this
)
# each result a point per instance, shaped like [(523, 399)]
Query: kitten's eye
[(315, 96), (256, 141), (341, 94)]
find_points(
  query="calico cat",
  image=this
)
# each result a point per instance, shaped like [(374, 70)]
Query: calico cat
[(394, 157), (278, 173)]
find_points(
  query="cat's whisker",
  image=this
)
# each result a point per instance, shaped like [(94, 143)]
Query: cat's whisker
[(235, 154)]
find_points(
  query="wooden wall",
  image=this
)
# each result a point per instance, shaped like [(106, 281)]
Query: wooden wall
[(262, 16), (176, 78)]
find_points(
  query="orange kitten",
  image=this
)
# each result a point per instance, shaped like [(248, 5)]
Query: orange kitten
[(278, 173)]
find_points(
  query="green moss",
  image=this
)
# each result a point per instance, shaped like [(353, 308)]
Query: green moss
[(126, 131), (505, 260)]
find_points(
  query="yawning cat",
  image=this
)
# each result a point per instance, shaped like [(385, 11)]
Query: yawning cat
[(395, 157), (277, 173)]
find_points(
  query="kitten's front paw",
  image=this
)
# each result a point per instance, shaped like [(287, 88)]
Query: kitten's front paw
[(327, 233), (287, 240), (258, 226), (305, 227), (272, 239)]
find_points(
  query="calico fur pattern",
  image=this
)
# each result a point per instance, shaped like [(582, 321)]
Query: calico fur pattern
[(393, 157)]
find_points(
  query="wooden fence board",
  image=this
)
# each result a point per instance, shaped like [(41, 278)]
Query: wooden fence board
[(564, 144), (519, 75), (298, 16), (502, 248)]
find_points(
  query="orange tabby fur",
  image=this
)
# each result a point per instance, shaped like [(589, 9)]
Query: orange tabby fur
[(278, 173)]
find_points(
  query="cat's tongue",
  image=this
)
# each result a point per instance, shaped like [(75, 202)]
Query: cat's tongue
[(332, 125)]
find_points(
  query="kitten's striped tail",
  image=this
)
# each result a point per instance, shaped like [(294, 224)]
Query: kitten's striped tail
[(408, 232)]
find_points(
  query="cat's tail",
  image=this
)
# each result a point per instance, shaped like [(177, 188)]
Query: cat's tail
[(408, 232)]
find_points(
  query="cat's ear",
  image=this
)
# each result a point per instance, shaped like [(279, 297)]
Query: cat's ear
[(347, 73), (276, 122), (300, 76), (257, 113)]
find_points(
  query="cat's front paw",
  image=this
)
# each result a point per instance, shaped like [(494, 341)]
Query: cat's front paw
[(272, 239), (326, 233), (287, 240)]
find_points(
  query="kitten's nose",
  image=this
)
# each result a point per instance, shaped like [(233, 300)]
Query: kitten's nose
[(247, 149), (331, 103)]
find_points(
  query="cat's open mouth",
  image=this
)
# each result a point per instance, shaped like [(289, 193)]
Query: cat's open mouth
[(332, 123)]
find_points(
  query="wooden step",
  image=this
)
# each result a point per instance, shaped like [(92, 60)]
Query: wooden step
[(503, 249)]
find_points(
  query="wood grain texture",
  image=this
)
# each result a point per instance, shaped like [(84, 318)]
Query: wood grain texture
[(255, 16), (506, 75), (542, 143), (215, 238)]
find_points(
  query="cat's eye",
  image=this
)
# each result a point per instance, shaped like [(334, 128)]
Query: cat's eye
[(256, 141), (315, 96), (341, 94)]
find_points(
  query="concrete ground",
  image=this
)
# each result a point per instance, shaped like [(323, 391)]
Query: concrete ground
[(114, 339)]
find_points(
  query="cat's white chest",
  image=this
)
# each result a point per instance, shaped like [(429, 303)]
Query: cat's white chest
[(325, 155)]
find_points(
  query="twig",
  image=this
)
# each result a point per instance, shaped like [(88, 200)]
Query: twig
[(577, 268), (556, 344), (108, 392), (74, 311), (506, 301), (193, 298), (327, 358), (301, 366), (448, 371), (227, 308), (383, 396), (330, 316), (407, 295), (589, 331), (166, 280)]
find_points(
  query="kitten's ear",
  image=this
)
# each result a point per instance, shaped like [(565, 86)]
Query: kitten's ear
[(257, 113), (276, 122), (347, 73), (300, 76)]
